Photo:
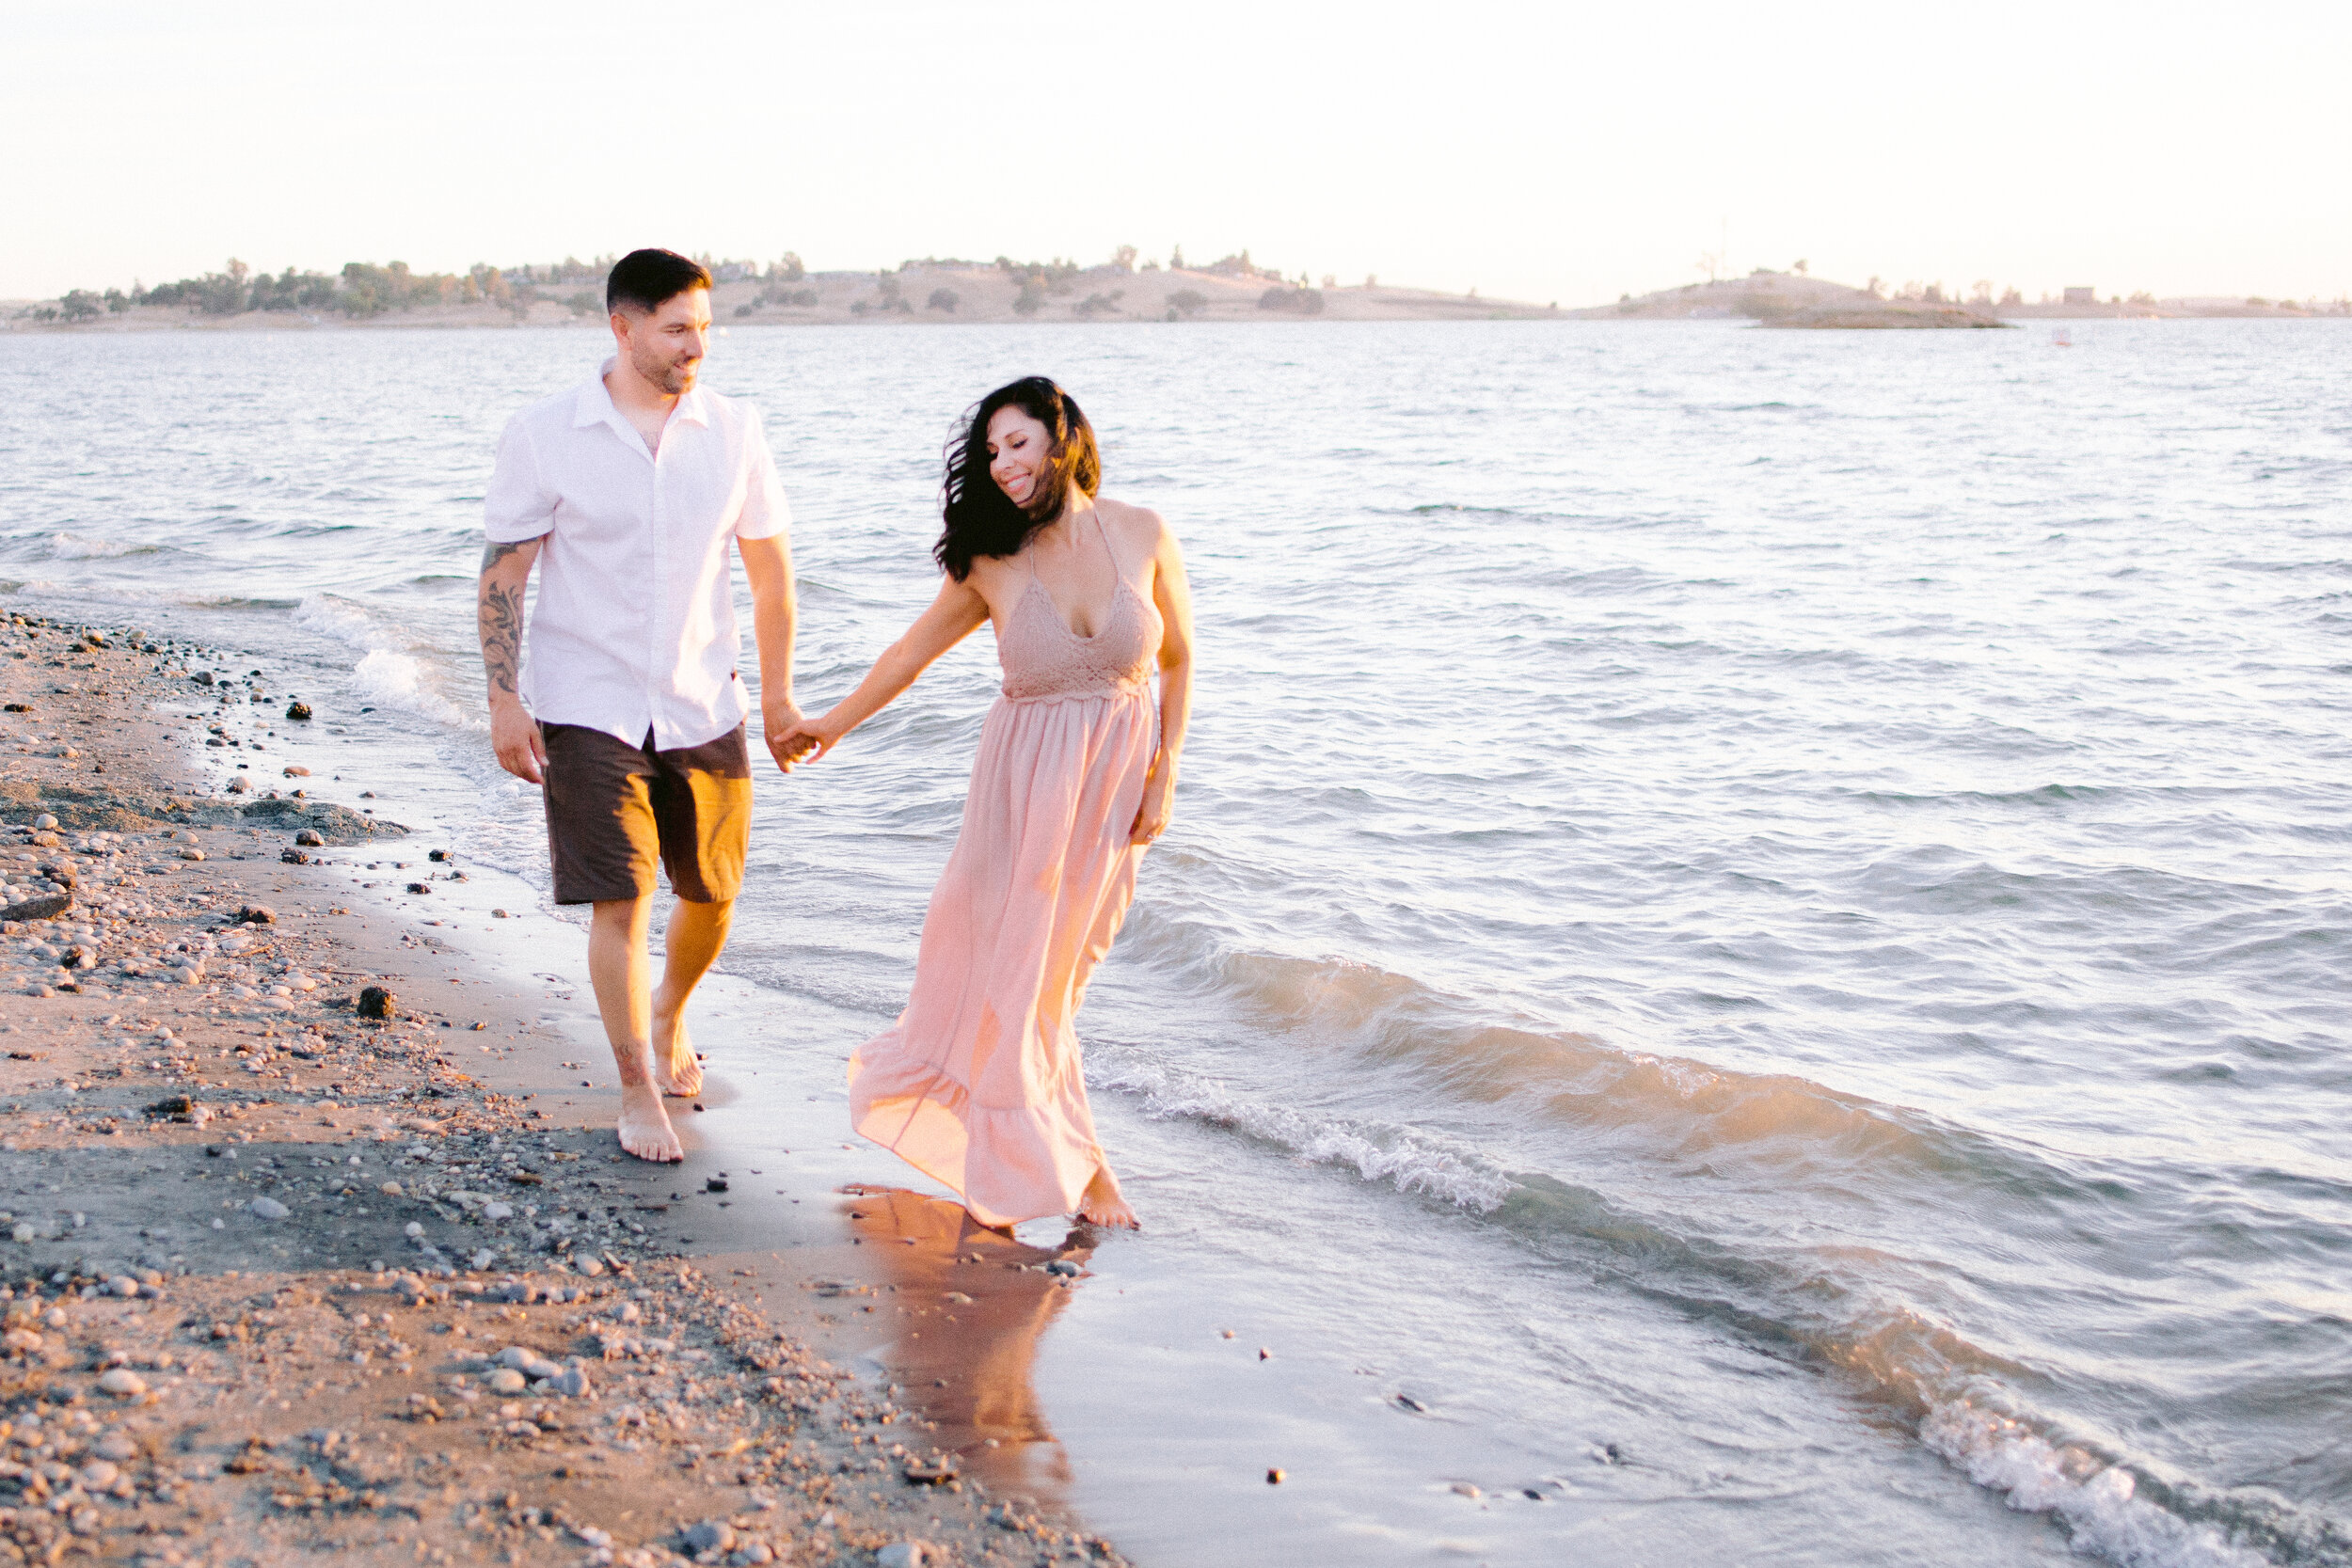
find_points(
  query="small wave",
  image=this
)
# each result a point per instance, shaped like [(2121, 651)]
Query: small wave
[(67, 547), (388, 672), (2099, 1502), (1410, 1160)]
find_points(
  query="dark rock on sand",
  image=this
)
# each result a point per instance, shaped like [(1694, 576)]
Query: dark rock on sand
[(334, 824), (46, 905), (256, 914), (377, 1003), (298, 710)]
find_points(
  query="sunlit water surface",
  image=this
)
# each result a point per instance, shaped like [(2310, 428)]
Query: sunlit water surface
[(1757, 922)]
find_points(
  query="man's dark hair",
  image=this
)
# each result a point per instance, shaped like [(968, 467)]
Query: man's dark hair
[(644, 279)]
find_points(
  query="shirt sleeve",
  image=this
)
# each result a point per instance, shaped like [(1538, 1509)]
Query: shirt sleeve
[(765, 513), (518, 507)]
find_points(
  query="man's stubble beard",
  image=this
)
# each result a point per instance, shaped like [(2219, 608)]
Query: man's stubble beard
[(675, 378)]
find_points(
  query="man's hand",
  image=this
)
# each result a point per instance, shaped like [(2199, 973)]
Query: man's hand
[(781, 721), (515, 736)]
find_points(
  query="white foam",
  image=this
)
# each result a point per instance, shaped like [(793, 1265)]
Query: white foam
[(2099, 1502), (387, 673), (1411, 1161)]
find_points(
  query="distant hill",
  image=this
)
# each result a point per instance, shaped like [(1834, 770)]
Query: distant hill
[(930, 292), (1789, 300)]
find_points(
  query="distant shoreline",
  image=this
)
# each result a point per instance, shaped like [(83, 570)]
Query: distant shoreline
[(934, 294), (917, 293)]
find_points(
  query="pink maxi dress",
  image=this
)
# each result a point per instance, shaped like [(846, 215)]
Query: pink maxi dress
[(980, 1084)]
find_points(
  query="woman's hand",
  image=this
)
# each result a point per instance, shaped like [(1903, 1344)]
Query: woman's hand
[(1159, 803), (807, 739)]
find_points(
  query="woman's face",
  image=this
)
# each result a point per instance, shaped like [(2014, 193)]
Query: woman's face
[(1020, 450)]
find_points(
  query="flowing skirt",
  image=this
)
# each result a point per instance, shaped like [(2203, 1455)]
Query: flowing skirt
[(980, 1084)]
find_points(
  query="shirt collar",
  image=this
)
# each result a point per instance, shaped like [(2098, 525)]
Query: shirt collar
[(593, 405)]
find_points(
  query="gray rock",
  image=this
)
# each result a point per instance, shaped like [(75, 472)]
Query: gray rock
[(506, 1380), (905, 1553), (268, 1209), (46, 905), (572, 1383), (124, 1384), (334, 824), (710, 1535), (240, 786)]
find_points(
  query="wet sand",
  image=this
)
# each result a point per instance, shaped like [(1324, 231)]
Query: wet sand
[(283, 1280)]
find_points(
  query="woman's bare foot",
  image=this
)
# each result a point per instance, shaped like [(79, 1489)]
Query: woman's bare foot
[(1101, 1203), (644, 1126), (675, 1068)]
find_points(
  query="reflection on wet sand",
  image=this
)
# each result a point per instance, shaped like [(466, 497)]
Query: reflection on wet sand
[(969, 1306)]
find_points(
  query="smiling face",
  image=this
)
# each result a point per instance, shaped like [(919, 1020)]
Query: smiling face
[(1020, 451), (665, 345)]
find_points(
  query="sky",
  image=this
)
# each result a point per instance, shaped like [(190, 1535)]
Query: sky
[(1562, 152)]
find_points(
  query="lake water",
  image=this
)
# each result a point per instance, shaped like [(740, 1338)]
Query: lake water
[(1756, 948)]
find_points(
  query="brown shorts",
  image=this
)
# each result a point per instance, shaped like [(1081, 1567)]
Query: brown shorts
[(612, 808)]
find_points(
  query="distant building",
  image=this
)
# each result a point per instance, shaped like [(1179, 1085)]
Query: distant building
[(2082, 296)]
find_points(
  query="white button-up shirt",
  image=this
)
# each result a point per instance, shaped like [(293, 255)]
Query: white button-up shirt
[(634, 628)]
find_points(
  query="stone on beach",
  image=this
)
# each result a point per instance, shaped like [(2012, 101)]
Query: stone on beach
[(310, 838), (712, 1535), (377, 1003), (122, 1382), (268, 1209), (506, 1380), (904, 1554)]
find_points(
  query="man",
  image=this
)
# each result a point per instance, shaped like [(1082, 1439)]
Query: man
[(627, 491)]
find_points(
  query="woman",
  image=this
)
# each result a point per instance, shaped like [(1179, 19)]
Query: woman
[(979, 1083)]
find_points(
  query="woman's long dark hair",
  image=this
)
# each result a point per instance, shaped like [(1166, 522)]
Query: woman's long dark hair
[(976, 517)]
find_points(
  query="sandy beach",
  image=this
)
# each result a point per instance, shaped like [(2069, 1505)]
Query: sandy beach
[(284, 1280)]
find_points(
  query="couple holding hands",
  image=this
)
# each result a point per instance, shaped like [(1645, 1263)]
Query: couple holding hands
[(625, 705)]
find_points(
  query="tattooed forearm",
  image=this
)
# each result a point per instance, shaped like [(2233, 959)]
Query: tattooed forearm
[(497, 552), (500, 613)]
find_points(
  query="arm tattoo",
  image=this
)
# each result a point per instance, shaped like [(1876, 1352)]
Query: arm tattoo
[(500, 614), (497, 552)]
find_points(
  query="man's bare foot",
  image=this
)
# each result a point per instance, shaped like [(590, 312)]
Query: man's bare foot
[(675, 1068), (1101, 1203), (644, 1126)]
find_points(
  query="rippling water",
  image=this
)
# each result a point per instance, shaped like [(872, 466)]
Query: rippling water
[(1757, 922)]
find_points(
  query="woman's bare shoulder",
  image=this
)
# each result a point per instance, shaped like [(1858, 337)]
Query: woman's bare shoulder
[(1139, 527)]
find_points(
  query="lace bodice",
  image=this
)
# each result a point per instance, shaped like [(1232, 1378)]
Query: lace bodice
[(1044, 657)]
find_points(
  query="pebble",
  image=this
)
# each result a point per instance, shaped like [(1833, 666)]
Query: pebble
[(377, 1003), (412, 1230), (294, 770), (904, 1554), (97, 1475), (44, 823), (257, 914), (298, 711), (240, 785), (713, 1535), (1467, 1489), (572, 1382), (391, 1189), (117, 1447), (506, 1380), (310, 838), (268, 1209), (497, 1210), (191, 854), (123, 1285), (484, 1258), (122, 1382), (1274, 1476)]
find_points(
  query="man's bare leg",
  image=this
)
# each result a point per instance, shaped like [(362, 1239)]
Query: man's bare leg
[(1101, 1203), (696, 933), (620, 972)]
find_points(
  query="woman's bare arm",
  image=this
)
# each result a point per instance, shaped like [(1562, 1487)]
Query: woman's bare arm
[(1172, 595), (955, 615)]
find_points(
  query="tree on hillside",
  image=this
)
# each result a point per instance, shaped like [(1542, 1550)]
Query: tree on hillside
[(1125, 257), (942, 299), (1189, 302), (1176, 258)]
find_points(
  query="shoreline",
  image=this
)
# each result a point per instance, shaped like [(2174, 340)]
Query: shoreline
[(257, 1247)]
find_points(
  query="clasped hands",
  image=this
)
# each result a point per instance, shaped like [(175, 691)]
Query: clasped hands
[(792, 739)]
